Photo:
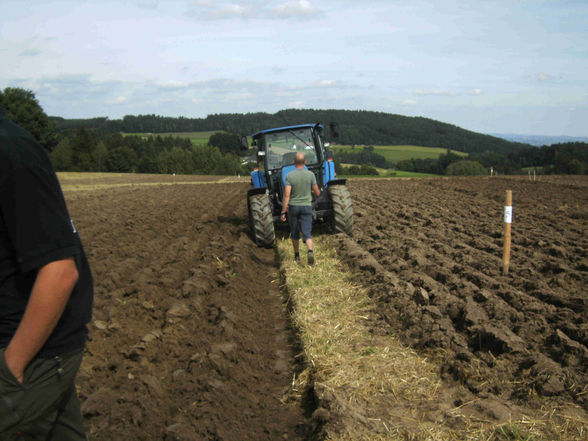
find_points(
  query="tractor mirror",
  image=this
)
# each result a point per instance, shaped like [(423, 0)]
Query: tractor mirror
[(243, 144), (327, 144), (261, 153), (334, 130)]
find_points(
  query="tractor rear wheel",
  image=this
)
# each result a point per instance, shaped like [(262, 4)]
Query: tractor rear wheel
[(261, 220), (342, 209)]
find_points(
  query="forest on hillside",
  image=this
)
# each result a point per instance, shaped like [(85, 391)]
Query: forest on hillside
[(98, 144), (355, 127)]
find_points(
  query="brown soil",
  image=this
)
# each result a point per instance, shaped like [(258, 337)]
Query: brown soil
[(73, 179), (430, 253), (190, 338), (191, 341)]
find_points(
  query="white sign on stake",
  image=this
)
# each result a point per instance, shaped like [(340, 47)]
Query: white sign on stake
[(508, 215)]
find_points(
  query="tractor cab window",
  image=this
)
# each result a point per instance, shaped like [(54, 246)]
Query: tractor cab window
[(281, 147)]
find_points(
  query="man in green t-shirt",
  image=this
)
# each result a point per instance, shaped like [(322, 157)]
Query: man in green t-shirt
[(300, 184)]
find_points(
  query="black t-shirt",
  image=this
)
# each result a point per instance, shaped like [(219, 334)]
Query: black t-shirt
[(36, 229)]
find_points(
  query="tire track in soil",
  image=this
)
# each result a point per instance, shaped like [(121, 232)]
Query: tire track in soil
[(190, 339)]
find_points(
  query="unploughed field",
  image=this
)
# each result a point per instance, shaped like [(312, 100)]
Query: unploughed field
[(395, 153), (386, 173), (191, 337), (197, 138)]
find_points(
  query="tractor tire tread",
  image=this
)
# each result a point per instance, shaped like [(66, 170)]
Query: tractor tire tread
[(261, 220), (342, 209)]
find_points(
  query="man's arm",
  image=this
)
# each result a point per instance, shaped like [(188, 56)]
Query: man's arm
[(315, 190), (287, 191), (53, 286)]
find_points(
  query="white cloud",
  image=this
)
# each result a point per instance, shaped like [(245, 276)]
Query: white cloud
[(410, 102), (171, 85), (433, 92), (149, 4), (30, 52), (572, 109), (232, 11), (210, 10), (476, 92), (295, 9), (118, 100), (544, 76), (324, 83)]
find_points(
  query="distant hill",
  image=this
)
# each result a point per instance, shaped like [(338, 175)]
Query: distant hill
[(355, 127), (540, 140)]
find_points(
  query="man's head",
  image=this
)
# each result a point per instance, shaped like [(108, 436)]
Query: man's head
[(299, 159)]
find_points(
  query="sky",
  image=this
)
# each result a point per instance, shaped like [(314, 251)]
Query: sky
[(509, 66)]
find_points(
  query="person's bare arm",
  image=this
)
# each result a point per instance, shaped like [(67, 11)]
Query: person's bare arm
[(53, 286), (287, 191), (316, 190)]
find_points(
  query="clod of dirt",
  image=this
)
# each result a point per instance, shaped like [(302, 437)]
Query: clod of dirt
[(152, 336), (421, 296), (473, 313), (177, 310), (98, 403), (99, 324), (496, 339), (494, 409)]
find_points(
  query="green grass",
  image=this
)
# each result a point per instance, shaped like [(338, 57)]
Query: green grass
[(395, 153), (407, 174), (197, 138), (384, 173)]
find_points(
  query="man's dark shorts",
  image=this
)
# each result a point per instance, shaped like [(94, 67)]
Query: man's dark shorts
[(300, 219)]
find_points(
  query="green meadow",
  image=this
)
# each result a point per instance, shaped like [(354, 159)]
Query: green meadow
[(383, 173), (396, 153), (197, 138)]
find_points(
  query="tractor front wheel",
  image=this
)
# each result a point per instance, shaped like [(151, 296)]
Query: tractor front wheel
[(342, 209), (261, 220)]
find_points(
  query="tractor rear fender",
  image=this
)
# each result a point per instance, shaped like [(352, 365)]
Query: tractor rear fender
[(253, 191), (337, 182)]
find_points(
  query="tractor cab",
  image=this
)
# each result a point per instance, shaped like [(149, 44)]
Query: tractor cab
[(276, 149)]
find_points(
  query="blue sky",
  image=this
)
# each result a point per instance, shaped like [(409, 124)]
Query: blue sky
[(512, 66)]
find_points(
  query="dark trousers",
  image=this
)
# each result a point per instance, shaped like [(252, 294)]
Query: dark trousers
[(300, 220), (45, 407)]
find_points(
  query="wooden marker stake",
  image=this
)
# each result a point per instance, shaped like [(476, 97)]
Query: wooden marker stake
[(507, 224)]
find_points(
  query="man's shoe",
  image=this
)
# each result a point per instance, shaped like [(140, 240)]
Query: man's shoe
[(296, 257), (311, 258)]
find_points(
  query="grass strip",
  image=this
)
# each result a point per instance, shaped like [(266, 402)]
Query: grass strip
[(373, 387), (355, 372)]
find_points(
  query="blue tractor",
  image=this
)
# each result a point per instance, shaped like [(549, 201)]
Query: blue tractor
[(276, 149)]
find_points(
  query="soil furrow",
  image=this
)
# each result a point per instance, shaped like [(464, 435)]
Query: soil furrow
[(190, 336), (503, 339)]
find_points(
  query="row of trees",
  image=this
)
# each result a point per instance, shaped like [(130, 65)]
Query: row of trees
[(366, 156), (355, 170), (568, 158), (91, 150), (99, 149), (429, 165)]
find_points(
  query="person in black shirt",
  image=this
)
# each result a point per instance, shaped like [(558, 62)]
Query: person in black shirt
[(46, 295)]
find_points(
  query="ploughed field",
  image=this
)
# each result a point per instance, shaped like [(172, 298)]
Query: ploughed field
[(190, 338), (504, 343)]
